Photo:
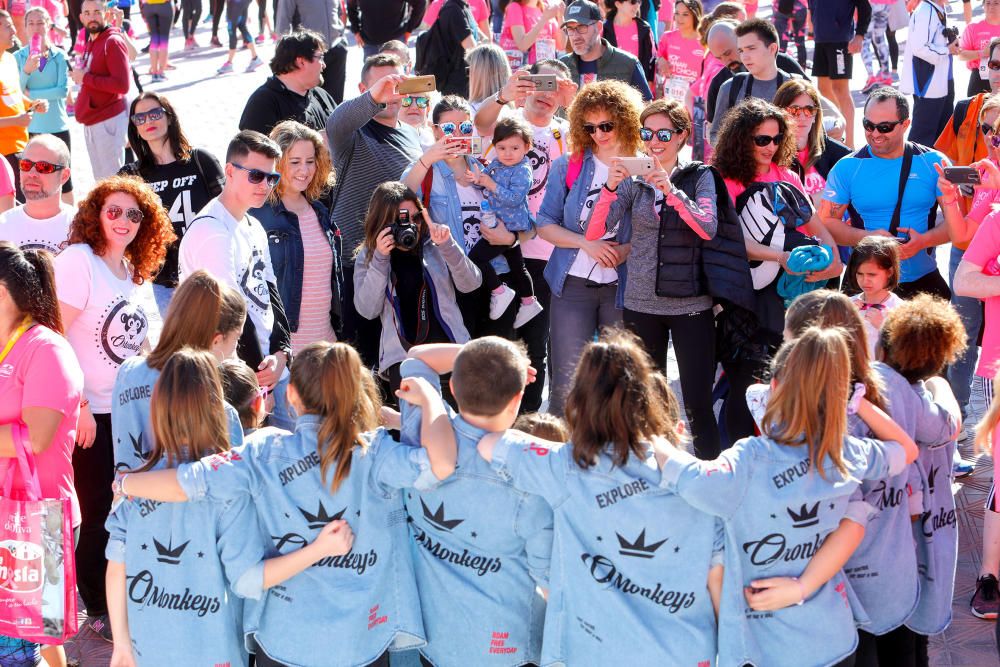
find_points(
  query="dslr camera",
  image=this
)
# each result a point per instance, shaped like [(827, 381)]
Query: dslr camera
[(950, 33), (404, 232)]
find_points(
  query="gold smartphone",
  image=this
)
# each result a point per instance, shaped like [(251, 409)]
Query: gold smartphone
[(417, 84)]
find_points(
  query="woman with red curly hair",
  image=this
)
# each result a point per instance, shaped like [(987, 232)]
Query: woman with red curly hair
[(118, 240)]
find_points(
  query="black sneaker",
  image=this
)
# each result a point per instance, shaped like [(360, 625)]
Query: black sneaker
[(101, 625), (986, 599)]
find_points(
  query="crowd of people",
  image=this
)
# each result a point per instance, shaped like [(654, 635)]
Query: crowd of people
[(421, 308)]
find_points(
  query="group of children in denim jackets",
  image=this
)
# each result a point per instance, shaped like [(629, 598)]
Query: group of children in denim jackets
[(478, 544)]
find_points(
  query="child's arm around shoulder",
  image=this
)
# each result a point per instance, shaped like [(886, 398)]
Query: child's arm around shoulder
[(436, 433), (886, 430), (439, 356)]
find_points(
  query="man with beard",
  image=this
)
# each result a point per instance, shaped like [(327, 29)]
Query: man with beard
[(104, 80), (593, 58), (43, 220), (368, 145), (865, 181), (294, 92)]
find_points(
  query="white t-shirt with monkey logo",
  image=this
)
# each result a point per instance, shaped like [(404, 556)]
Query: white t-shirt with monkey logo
[(235, 252), (111, 326)]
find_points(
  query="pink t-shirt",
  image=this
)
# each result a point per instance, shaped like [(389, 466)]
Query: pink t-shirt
[(701, 84), (984, 248), (974, 38), (814, 181), (627, 37), (526, 17), (6, 179), (773, 175), (479, 11), (41, 371), (684, 55)]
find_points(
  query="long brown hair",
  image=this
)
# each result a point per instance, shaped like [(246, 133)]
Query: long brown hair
[(334, 385), (808, 404), (734, 154), (826, 308), (785, 97), (187, 410), (180, 147), (382, 210), (201, 308), (31, 283), (615, 401)]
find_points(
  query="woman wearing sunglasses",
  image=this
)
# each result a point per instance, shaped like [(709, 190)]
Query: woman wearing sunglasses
[(118, 241), (816, 153), (303, 241), (186, 178), (413, 112), (586, 276), (411, 288), (753, 153), (681, 261)]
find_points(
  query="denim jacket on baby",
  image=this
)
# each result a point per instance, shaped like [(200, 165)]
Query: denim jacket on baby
[(883, 569), (480, 546), (563, 207), (936, 537), (510, 201), (183, 562), (778, 511), (344, 610), (446, 207), (630, 560), (131, 430)]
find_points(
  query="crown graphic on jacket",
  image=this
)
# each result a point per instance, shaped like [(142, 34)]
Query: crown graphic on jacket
[(169, 554), (639, 548), (930, 478), (805, 517), (321, 518), (437, 519)]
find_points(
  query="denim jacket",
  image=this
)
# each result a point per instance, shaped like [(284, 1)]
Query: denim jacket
[(510, 201), (284, 243), (778, 512), (563, 207), (344, 610), (882, 572), (183, 562), (630, 560), (480, 546), (448, 269), (131, 430), (446, 206)]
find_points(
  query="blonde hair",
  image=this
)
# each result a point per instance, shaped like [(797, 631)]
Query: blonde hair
[(288, 133), (808, 404), (333, 384), (187, 410), (489, 70)]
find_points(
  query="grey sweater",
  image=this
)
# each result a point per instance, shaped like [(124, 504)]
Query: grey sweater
[(365, 153)]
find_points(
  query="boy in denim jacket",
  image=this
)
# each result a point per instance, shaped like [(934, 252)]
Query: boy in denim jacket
[(480, 547)]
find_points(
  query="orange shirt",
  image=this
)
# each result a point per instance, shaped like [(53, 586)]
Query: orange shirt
[(12, 139)]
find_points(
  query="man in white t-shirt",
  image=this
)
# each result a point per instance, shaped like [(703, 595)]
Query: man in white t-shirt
[(550, 135), (232, 246), (43, 220)]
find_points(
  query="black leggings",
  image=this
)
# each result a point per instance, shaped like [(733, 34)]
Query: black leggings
[(191, 14), (519, 278), (901, 647), (262, 14), (236, 18), (694, 346), (94, 470), (217, 7), (263, 660), (159, 18)]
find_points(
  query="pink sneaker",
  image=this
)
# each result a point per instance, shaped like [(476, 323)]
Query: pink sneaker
[(886, 79), (873, 82)]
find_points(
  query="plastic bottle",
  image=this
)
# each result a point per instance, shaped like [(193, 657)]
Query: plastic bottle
[(487, 217)]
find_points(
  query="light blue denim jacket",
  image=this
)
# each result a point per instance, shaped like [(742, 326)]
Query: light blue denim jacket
[(131, 430), (183, 562), (446, 207), (630, 560), (563, 208), (777, 513), (479, 546), (883, 569), (510, 201), (344, 610)]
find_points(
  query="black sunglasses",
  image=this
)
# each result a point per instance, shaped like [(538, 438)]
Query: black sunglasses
[(986, 129), (152, 114), (994, 65), (605, 127), (883, 128), (255, 176), (763, 140), (663, 135)]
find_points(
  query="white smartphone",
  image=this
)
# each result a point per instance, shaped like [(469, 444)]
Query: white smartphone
[(637, 166)]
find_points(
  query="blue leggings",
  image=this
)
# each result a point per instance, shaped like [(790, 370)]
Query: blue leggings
[(236, 17)]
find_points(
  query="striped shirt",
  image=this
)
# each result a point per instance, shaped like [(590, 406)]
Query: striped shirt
[(317, 267)]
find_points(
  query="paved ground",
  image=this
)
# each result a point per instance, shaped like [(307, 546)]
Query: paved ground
[(210, 106)]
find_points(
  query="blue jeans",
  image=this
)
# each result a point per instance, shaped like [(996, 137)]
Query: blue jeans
[(971, 311)]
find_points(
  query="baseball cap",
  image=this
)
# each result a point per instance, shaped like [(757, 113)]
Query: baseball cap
[(583, 12)]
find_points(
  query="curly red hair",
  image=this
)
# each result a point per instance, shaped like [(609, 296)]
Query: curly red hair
[(149, 248)]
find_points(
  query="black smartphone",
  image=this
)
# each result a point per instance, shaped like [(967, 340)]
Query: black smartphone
[(962, 175)]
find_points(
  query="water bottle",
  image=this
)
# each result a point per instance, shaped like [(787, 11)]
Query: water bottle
[(486, 215)]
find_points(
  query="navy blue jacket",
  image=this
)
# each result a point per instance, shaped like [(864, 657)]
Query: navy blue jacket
[(833, 20)]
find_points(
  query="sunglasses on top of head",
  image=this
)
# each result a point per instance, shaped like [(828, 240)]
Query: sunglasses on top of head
[(255, 176), (464, 128), (421, 102), (763, 140), (883, 128)]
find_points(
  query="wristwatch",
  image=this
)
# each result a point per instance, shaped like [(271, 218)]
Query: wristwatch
[(501, 101)]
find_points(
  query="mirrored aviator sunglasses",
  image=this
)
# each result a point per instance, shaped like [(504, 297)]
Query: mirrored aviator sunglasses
[(663, 135), (421, 102)]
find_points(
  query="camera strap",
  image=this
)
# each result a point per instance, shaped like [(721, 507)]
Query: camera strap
[(423, 313)]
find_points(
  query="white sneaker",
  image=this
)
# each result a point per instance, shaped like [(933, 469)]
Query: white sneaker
[(526, 312), (499, 302)]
